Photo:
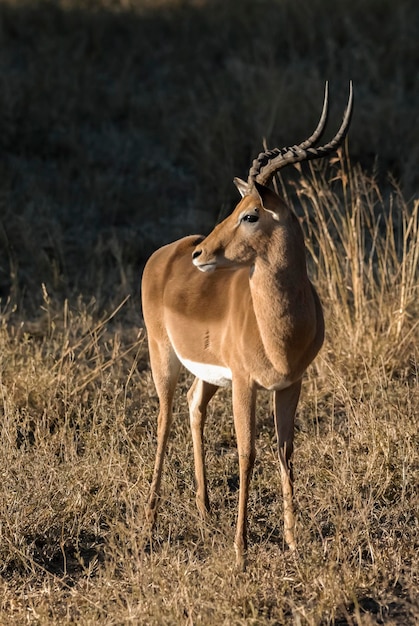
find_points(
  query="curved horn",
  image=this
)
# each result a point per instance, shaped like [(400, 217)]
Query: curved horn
[(314, 138), (267, 163)]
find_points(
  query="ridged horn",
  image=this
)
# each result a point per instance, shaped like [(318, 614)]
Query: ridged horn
[(268, 163)]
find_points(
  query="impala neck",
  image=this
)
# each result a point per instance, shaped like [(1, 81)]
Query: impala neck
[(281, 269), (283, 298)]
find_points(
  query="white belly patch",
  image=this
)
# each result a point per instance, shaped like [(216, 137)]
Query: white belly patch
[(214, 374)]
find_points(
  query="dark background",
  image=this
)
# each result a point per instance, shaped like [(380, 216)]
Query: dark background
[(123, 124)]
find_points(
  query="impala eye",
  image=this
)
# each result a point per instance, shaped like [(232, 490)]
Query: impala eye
[(250, 217)]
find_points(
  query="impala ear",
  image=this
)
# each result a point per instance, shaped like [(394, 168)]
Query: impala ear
[(270, 200), (242, 186)]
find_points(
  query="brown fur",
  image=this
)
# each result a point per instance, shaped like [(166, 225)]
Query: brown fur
[(256, 314)]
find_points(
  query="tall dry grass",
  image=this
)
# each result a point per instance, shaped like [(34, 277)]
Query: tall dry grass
[(364, 250), (78, 441)]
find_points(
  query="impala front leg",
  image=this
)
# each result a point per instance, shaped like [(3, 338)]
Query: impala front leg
[(199, 395), (286, 402), (244, 397)]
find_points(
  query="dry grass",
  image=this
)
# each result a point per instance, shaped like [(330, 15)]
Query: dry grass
[(78, 435), (122, 126)]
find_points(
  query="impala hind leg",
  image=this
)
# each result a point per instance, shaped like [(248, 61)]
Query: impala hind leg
[(199, 395), (285, 406), (165, 368)]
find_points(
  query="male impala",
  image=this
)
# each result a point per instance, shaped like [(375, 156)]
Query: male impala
[(250, 316)]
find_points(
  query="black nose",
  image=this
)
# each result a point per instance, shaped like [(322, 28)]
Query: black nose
[(196, 254)]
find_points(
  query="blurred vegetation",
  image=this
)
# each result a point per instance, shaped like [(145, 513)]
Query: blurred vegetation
[(123, 122)]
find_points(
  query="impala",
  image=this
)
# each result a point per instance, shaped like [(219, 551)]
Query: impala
[(237, 307)]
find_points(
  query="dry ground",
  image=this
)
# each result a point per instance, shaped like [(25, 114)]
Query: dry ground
[(122, 126)]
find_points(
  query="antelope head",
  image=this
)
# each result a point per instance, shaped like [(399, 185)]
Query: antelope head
[(241, 237), (237, 240)]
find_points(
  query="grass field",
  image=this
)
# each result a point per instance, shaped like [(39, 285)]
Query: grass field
[(122, 126)]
